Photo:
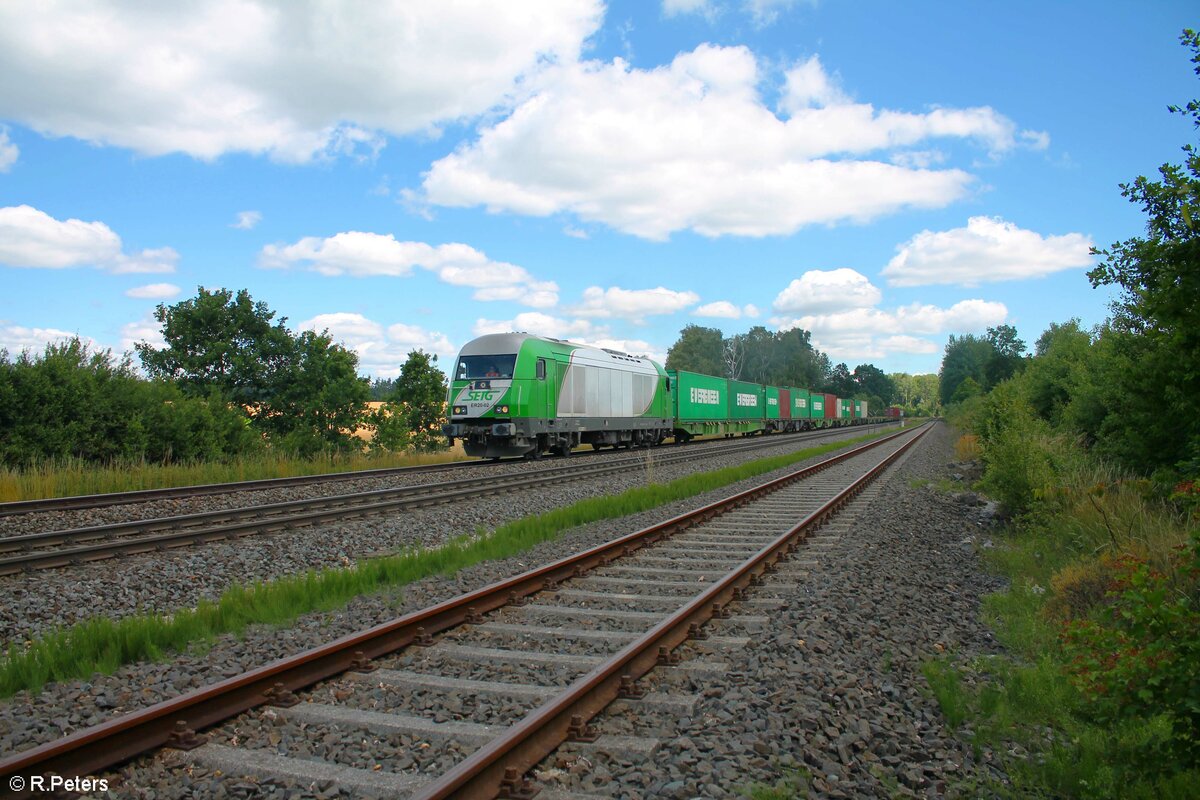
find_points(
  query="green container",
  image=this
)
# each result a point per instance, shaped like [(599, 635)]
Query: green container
[(774, 411), (699, 398), (800, 403), (845, 409), (816, 406), (747, 400)]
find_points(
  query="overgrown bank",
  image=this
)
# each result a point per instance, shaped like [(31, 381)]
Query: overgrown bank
[(1100, 697)]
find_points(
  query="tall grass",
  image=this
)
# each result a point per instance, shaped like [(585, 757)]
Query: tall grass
[(101, 644), (69, 478)]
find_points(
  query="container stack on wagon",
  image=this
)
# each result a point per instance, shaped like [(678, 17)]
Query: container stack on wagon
[(516, 394)]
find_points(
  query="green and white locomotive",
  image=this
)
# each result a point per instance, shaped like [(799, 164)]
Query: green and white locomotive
[(514, 394)]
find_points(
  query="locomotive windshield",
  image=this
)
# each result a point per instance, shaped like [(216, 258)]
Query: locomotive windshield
[(473, 367)]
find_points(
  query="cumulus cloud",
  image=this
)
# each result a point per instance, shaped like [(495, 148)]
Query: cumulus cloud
[(18, 338), (146, 330), (632, 304), (840, 308), (692, 146), (246, 220), (153, 291), (290, 80), (8, 151), (581, 331), (723, 309), (364, 254), (988, 249), (32, 238), (381, 349), (826, 292)]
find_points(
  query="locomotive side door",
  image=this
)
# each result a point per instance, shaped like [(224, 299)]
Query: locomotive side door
[(547, 374)]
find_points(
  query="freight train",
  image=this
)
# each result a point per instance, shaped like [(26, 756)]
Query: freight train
[(515, 394)]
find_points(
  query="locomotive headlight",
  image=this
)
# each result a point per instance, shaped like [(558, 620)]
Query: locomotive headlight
[(460, 410), (502, 409)]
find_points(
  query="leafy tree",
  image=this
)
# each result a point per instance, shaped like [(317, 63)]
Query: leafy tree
[(840, 382), (219, 340), (698, 350), (1005, 360), (382, 388), (875, 384), (73, 403), (1154, 335), (797, 362), (304, 390), (966, 357), (416, 410), (319, 400)]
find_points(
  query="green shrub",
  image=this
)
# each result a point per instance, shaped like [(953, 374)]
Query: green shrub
[(1139, 656)]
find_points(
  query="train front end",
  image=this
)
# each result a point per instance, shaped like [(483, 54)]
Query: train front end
[(492, 393)]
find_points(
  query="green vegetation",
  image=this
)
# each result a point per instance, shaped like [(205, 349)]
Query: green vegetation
[(230, 387), (1092, 445), (787, 358), (104, 645)]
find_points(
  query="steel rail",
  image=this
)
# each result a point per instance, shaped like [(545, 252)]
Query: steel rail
[(171, 722), (204, 527), (78, 502), (500, 763)]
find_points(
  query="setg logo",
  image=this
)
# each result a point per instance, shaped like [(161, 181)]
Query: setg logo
[(481, 396)]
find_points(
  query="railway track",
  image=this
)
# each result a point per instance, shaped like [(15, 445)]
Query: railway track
[(80, 502), (62, 548), (556, 644)]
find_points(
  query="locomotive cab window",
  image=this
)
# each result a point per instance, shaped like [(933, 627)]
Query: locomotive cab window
[(471, 368), (541, 369)]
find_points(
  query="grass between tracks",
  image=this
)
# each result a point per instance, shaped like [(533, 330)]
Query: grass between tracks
[(102, 644)]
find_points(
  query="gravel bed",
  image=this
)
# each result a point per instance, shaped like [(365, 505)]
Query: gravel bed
[(167, 581), (832, 688), (164, 582)]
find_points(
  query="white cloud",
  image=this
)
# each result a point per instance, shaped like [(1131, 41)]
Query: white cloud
[(632, 304), (367, 254), (246, 220), (826, 292), (144, 330), (291, 80), (581, 331), (807, 85), (541, 324), (17, 338), (988, 249), (32, 238), (381, 350), (153, 291), (722, 309), (839, 307), (691, 146), (8, 151)]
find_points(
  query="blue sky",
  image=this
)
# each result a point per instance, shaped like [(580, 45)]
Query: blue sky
[(414, 174)]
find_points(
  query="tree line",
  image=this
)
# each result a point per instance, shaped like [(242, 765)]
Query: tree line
[(231, 380), (788, 358)]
